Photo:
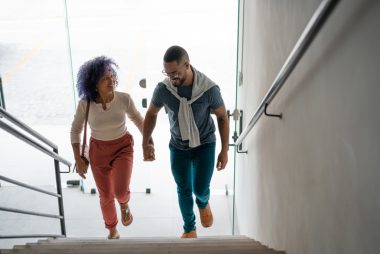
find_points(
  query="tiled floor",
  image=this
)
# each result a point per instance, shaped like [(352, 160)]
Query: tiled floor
[(155, 214)]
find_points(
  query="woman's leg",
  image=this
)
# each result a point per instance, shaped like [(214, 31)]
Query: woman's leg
[(121, 177), (100, 157), (122, 169), (102, 176)]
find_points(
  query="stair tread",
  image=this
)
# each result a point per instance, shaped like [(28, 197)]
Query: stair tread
[(227, 237), (153, 245), (163, 241), (151, 250), (117, 244)]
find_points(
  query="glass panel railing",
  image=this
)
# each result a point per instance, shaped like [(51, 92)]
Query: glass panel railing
[(36, 76)]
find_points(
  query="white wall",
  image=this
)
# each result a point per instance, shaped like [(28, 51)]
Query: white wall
[(309, 183)]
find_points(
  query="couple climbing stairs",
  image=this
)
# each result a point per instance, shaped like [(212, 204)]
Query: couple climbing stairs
[(204, 245)]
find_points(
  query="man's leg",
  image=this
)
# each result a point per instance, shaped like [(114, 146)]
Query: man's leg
[(204, 164), (182, 172)]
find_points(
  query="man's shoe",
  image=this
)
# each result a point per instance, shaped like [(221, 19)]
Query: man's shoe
[(126, 215), (206, 216), (191, 234)]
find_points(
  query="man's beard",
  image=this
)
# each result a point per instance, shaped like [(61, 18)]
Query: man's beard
[(179, 82)]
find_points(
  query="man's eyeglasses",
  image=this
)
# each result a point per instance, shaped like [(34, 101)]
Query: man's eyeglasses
[(174, 74)]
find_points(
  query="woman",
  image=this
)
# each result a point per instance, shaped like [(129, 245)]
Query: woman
[(111, 145)]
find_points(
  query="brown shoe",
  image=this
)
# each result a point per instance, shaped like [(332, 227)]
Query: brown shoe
[(126, 215), (206, 216), (191, 234)]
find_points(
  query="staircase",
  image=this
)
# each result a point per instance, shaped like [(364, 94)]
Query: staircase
[(202, 245)]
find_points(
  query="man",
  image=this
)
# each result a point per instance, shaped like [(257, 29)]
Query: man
[(190, 98)]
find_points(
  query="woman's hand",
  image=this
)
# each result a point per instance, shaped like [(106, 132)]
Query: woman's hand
[(81, 167), (150, 141), (149, 152)]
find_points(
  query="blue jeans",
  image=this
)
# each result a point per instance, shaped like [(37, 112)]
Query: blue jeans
[(192, 170)]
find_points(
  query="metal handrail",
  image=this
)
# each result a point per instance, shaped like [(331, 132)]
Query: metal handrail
[(312, 28), (32, 236), (32, 142), (9, 180), (13, 210), (57, 159), (26, 128)]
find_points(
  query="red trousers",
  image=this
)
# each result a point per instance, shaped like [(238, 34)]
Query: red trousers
[(111, 164)]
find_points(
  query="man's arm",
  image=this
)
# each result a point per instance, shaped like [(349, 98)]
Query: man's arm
[(149, 125), (224, 131)]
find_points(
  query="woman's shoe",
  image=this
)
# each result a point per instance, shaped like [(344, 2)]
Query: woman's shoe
[(114, 236), (126, 215)]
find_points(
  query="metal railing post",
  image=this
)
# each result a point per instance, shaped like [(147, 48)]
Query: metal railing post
[(59, 191), (57, 160)]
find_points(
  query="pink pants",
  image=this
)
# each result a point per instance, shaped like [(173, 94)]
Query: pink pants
[(111, 164)]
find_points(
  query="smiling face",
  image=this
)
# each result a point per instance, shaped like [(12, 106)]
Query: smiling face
[(106, 83), (177, 73)]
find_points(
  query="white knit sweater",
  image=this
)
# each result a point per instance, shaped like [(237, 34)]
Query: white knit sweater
[(108, 124)]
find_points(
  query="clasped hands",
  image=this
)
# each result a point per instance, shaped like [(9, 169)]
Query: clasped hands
[(148, 151)]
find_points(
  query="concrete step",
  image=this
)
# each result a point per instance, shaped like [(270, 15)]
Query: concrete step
[(151, 251), (142, 239), (157, 245)]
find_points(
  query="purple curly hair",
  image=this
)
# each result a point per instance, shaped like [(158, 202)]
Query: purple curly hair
[(90, 73)]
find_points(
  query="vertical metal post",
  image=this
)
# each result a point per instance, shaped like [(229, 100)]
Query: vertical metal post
[(240, 128), (59, 191), (2, 101)]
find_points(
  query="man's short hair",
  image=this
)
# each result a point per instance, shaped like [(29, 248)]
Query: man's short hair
[(176, 53)]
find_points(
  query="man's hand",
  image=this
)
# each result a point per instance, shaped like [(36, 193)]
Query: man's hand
[(224, 130), (149, 152), (222, 160), (149, 124)]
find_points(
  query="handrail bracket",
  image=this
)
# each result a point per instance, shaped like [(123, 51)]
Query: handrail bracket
[(271, 115)]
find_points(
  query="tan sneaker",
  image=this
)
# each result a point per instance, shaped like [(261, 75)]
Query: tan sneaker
[(206, 216), (126, 215), (191, 234)]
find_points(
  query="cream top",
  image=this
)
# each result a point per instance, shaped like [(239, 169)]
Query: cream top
[(108, 124)]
